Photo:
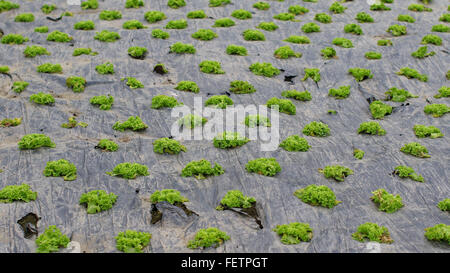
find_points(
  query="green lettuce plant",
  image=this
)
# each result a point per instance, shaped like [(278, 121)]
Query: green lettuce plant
[(284, 105), (49, 68), (405, 18), (201, 169), (204, 35), (77, 84), (268, 26), (371, 128), (372, 232), (8, 5), (34, 50), (328, 53), (34, 141), (104, 102), (298, 10), (337, 8), (241, 87), (419, 8), (224, 22), (154, 16), (405, 172), (176, 4), (104, 69), (140, 3), (59, 37), (437, 110), (188, 86), (161, 101), (444, 92), (8, 122), (353, 29), (62, 168), (168, 195), (132, 241), (297, 95), (294, 233), (444, 205), (97, 201), (51, 240), (191, 121), (360, 74), (228, 140), (263, 166), (432, 39), (317, 196), (363, 17), (317, 129), (310, 27), (422, 131), (84, 25), (73, 123), (379, 109), (177, 24), (323, 18), (83, 51), (295, 39), (371, 55), (107, 36), (181, 48), (133, 24), (286, 52), (129, 170), (241, 14), (107, 145), (384, 42), (313, 73), (358, 154), (89, 4), (337, 172), (412, 73), (160, 34), (398, 95), (415, 149), (208, 237), (168, 146), (43, 29), (386, 202), (13, 193), (11, 39), (261, 5), (219, 101), (236, 50), (42, 98), (196, 14), (109, 15), (236, 199), (256, 120), (264, 69), (439, 232), (253, 35), (133, 123), (341, 93), (133, 83), (211, 67), (24, 18)]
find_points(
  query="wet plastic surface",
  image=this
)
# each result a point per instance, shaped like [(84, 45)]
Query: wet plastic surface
[(57, 201)]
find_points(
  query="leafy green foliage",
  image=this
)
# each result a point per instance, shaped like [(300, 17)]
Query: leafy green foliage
[(129, 170), (204, 35), (405, 18), (138, 3), (73, 123), (133, 24), (168, 195), (241, 14), (107, 145), (317, 196), (188, 86), (444, 205), (41, 98), (379, 109), (201, 169), (268, 26), (412, 73), (253, 35), (360, 74), (224, 22), (227, 140), (89, 4), (51, 240), (98, 201), (133, 123), (445, 17), (298, 10), (208, 237), (379, 7), (405, 171), (181, 48), (440, 28), (211, 67), (154, 16), (62, 168), (386, 202), (7, 122), (337, 172), (34, 50), (132, 241), (7, 5), (264, 69), (358, 154), (106, 68), (422, 52), (256, 120), (104, 102), (284, 105), (196, 14), (175, 4), (422, 131), (437, 110), (294, 233), (83, 51), (160, 34), (24, 18), (4, 69), (261, 5), (341, 93), (263, 166), (432, 39), (110, 15), (398, 95), (310, 27), (363, 17), (77, 84), (313, 73), (11, 39), (219, 101), (43, 29), (297, 39), (418, 8), (353, 28), (236, 50), (133, 83), (343, 42), (284, 16), (371, 55), (323, 18), (337, 8), (286, 52), (294, 94), (397, 30), (49, 68), (439, 232), (192, 121), (218, 3), (415, 149), (295, 143), (328, 52), (177, 24), (107, 36), (372, 232), (168, 146), (13, 193), (317, 129), (48, 8), (236, 199), (241, 87), (59, 37), (444, 92), (84, 25), (371, 128), (384, 42)]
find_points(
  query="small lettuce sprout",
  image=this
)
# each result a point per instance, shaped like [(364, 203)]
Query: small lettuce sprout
[(13, 193), (353, 28), (264, 69), (51, 240), (263, 166), (323, 18), (34, 141), (343, 42), (219, 101), (372, 232), (160, 34), (49, 68), (371, 128), (107, 145), (253, 35), (241, 87), (168, 146), (133, 24), (437, 110), (181, 48), (358, 154), (261, 5), (405, 172), (191, 121), (328, 53), (43, 29), (73, 123), (422, 52), (201, 169), (418, 8), (62, 168), (228, 140), (337, 172), (294, 233), (161, 101), (317, 196), (84, 25), (444, 205), (298, 10), (132, 241), (297, 39), (236, 199), (341, 93), (140, 3), (313, 73), (107, 36), (133, 83), (384, 42), (297, 95), (337, 8), (268, 26), (284, 105), (406, 18), (11, 39), (284, 16), (204, 35), (379, 109), (286, 52), (77, 84), (317, 129), (188, 86), (106, 68), (236, 50), (208, 237), (386, 202), (310, 27), (224, 22), (397, 30), (241, 14), (34, 50), (177, 24), (42, 98), (7, 122), (440, 28), (363, 17), (360, 74), (133, 123), (444, 92), (59, 37), (168, 195), (97, 201), (295, 143), (431, 39), (379, 7), (176, 4), (371, 55), (439, 232), (415, 149), (196, 14), (24, 18), (48, 8), (84, 51), (211, 67), (129, 170), (109, 15), (412, 73), (89, 4), (256, 120), (154, 16), (104, 102), (137, 52), (422, 131), (398, 95)]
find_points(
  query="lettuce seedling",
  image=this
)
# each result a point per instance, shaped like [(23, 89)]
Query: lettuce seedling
[(263, 166), (133, 83), (177, 24), (439, 232), (313, 73), (406, 18), (168, 146), (253, 35), (34, 50), (337, 172), (405, 172), (13, 193), (386, 202), (7, 5), (295, 143), (133, 123), (7, 122), (444, 205), (104, 102), (107, 36), (437, 110), (62, 168), (431, 39), (337, 8), (284, 105), (294, 233), (175, 4), (372, 232), (256, 120), (43, 29), (19, 86), (208, 237), (445, 17), (264, 69), (41, 98), (168, 195), (297, 95), (371, 55), (310, 27), (192, 121), (397, 30), (107, 145), (297, 39), (110, 15), (384, 42), (268, 26), (360, 74), (422, 131), (219, 101), (286, 52), (398, 95), (188, 86), (106, 68), (236, 199), (363, 17), (371, 128), (181, 48), (224, 22), (317, 196), (49, 68), (323, 18), (227, 140), (284, 16), (241, 87), (379, 109), (341, 93), (412, 73), (84, 25), (343, 42), (73, 123), (261, 5), (160, 34), (201, 169), (130, 4), (298, 10), (34, 141), (196, 14), (77, 84), (59, 37), (24, 18), (211, 67), (97, 201), (132, 241), (154, 16), (11, 39), (317, 129), (241, 14), (133, 24), (89, 4), (440, 28), (328, 53), (418, 8), (358, 154), (379, 7), (48, 8), (204, 35), (83, 51), (51, 240), (415, 149), (129, 170), (236, 50), (444, 92), (422, 52), (218, 3), (162, 101), (353, 28)]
